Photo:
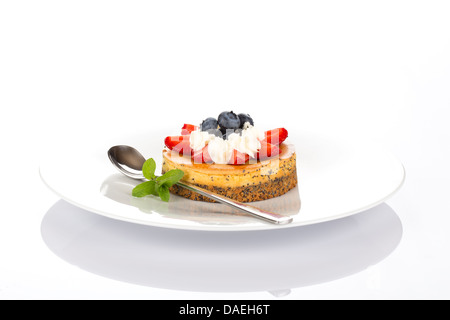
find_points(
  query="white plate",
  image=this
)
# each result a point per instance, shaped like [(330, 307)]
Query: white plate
[(336, 179)]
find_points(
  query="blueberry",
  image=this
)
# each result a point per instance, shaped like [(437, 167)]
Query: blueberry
[(228, 120), (215, 132), (209, 123), (245, 118)]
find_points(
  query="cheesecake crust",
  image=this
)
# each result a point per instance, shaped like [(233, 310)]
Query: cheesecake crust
[(261, 191)]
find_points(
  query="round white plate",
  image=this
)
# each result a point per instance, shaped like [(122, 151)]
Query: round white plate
[(336, 179)]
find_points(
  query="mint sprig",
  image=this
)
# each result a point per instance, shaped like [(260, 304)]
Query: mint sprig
[(157, 186)]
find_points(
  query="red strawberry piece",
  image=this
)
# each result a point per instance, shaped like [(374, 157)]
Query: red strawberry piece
[(179, 144), (267, 150), (188, 128), (276, 136), (238, 157), (201, 156)]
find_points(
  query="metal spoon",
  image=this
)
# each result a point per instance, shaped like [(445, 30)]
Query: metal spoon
[(129, 162)]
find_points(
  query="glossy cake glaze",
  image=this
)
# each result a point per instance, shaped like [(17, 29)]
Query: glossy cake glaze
[(246, 183)]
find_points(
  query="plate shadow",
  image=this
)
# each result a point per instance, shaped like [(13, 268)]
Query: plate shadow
[(208, 261)]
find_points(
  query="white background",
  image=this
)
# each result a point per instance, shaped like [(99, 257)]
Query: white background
[(375, 70)]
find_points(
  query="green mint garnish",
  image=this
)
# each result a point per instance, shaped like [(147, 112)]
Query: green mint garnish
[(170, 178), (148, 169), (144, 189), (164, 193), (157, 186)]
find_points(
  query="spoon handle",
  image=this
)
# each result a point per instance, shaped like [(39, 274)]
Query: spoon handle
[(256, 212)]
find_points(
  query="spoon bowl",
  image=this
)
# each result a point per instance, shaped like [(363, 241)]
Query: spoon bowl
[(128, 160)]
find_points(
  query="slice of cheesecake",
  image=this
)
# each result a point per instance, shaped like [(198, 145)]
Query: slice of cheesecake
[(246, 183)]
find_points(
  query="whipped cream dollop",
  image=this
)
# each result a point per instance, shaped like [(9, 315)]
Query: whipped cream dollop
[(199, 139), (220, 150)]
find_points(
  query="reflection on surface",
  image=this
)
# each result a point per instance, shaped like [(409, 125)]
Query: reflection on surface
[(118, 188), (271, 260)]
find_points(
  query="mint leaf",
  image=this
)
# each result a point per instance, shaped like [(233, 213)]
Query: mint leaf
[(164, 193), (170, 178), (158, 186), (148, 169), (145, 189)]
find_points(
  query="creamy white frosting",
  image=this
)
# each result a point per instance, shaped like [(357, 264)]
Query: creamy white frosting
[(248, 142), (220, 150), (198, 139)]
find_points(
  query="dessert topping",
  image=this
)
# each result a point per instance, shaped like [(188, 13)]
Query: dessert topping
[(199, 139), (220, 150), (228, 120), (232, 139), (209, 123), (244, 118), (188, 128)]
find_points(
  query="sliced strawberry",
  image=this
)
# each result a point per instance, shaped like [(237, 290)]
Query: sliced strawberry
[(267, 150), (238, 157), (201, 156), (179, 144), (276, 136), (188, 128)]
